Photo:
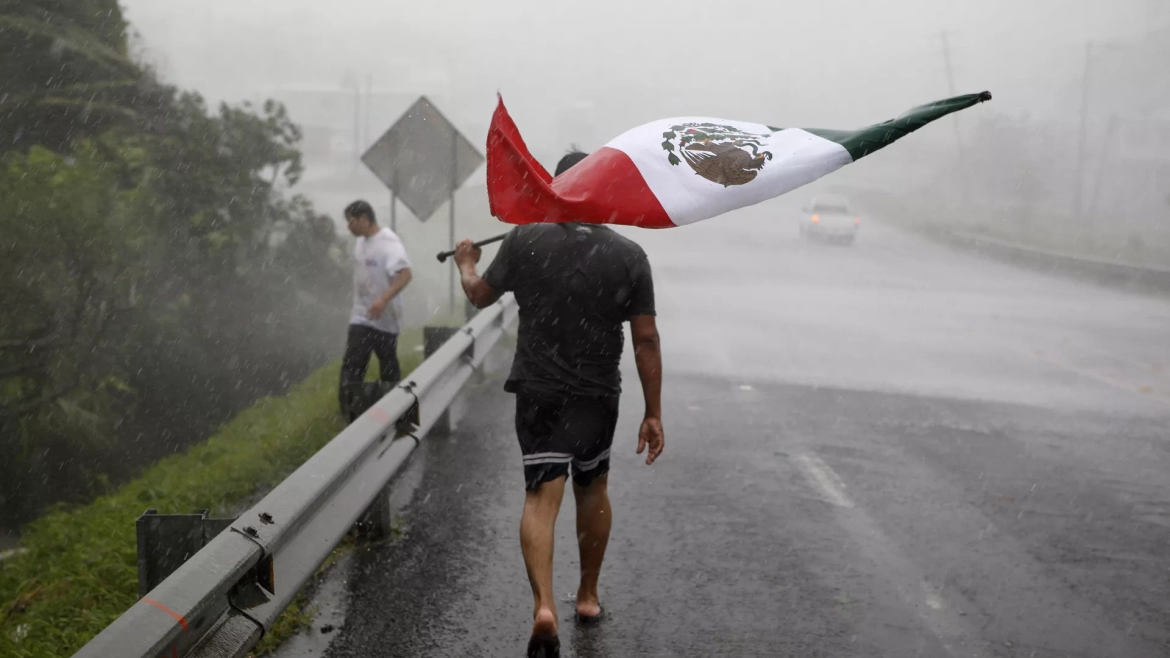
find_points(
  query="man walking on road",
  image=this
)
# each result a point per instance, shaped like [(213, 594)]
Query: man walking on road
[(380, 272), (576, 286)]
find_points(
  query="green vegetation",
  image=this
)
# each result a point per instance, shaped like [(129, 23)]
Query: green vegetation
[(155, 278), (80, 571)]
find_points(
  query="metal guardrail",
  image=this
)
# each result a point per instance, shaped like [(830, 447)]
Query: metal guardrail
[(1100, 269), (221, 601), (1083, 266)]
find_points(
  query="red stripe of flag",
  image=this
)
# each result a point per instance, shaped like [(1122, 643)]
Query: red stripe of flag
[(604, 188)]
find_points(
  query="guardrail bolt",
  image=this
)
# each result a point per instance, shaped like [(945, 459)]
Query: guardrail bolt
[(251, 531), (265, 517)]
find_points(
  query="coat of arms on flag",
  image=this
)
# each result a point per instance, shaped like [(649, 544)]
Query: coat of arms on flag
[(720, 153)]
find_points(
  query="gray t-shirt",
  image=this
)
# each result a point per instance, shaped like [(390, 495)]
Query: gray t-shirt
[(576, 285)]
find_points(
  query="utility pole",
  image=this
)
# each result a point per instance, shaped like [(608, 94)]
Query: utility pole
[(946, 48), (1084, 129), (950, 81)]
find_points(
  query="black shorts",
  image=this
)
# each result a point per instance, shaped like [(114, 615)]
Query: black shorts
[(558, 430)]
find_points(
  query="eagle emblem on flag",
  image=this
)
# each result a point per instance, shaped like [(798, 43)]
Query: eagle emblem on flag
[(720, 153)]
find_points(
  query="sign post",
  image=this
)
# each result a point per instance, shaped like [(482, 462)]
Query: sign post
[(452, 272), (394, 205), (423, 159)]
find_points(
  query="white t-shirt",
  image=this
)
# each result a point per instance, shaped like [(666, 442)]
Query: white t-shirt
[(376, 261)]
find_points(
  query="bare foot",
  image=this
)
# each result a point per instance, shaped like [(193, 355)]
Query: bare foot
[(587, 604), (545, 623)]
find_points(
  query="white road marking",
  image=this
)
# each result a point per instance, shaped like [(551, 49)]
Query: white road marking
[(745, 387), (825, 478), (956, 635)]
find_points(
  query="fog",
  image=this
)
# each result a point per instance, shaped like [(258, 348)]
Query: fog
[(1079, 93), (831, 63)]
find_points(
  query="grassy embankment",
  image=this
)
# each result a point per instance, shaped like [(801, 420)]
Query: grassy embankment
[(78, 571)]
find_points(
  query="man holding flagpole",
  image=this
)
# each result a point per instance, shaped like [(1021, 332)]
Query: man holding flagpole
[(576, 285)]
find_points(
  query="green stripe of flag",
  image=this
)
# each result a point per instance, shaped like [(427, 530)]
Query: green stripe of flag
[(861, 143)]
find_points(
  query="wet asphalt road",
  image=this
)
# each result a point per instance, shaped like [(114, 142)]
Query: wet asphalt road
[(890, 449)]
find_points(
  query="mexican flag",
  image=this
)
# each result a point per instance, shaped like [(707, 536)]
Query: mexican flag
[(679, 171)]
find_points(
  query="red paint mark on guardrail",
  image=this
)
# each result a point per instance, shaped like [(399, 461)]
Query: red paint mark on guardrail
[(179, 618)]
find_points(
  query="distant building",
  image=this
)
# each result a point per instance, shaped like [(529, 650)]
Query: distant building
[(339, 123)]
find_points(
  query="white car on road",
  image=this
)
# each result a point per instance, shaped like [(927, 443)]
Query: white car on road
[(829, 218)]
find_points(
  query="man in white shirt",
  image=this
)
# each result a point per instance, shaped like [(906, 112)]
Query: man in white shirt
[(381, 270)]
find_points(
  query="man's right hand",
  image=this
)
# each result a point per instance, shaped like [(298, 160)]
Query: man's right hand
[(651, 434), (466, 253)]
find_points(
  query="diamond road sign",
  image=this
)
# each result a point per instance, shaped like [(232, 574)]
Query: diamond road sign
[(422, 158)]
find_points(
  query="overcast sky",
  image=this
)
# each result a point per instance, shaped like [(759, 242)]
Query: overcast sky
[(830, 63)]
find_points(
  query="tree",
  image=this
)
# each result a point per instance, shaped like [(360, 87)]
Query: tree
[(154, 277), (66, 72), (70, 239)]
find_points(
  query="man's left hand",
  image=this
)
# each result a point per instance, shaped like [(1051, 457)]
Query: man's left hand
[(651, 434), (376, 309), (466, 253)]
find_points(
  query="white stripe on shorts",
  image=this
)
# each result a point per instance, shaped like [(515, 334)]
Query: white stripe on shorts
[(546, 457), (592, 463), (549, 460)]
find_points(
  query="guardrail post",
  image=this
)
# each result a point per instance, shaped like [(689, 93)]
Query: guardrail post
[(495, 360), (433, 339), (166, 541), (377, 520)]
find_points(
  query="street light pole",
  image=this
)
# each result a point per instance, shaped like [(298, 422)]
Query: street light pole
[(357, 125), (394, 202)]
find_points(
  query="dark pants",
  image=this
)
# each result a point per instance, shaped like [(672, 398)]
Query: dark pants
[(360, 342)]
